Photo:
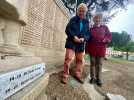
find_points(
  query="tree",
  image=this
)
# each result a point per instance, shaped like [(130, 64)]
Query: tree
[(129, 47), (109, 7), (115, 40), (122, 42), (98, 5)]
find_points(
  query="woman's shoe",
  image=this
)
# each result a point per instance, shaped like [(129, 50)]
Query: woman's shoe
[(64, 80), (79, 79)]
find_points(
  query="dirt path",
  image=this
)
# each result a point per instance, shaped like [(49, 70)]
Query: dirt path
[(119, 80)]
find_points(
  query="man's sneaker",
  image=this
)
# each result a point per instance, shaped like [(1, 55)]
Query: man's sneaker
[(92, 80), (98, 82)]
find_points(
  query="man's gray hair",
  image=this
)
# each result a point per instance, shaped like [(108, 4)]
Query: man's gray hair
[(100, 14)]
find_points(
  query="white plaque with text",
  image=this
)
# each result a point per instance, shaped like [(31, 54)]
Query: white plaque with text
[(12, 82)]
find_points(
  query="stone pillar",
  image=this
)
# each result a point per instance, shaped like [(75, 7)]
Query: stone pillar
[(9, 36), (2, 26), (14, 16)]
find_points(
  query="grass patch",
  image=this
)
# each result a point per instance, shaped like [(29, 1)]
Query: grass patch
[(119, 60), (87, 57)]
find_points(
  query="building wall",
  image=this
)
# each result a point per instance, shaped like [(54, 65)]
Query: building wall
[(46, 25), (44, 33)]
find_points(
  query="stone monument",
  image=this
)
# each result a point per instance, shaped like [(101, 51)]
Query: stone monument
[(18, 68), (12, 17), (30, 31)]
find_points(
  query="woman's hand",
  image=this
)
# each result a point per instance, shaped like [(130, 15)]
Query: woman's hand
[(76, 39), (82, 40)]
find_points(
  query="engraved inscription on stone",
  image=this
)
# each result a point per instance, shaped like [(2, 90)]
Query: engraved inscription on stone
[(12, 82)]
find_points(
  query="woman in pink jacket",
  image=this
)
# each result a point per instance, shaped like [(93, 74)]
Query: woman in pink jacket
[(96, 48)]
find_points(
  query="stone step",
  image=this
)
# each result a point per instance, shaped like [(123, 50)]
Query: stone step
[(22, 78), (14, 63), (32, 91)]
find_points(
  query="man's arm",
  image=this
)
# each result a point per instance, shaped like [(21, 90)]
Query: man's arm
[(108, 36)]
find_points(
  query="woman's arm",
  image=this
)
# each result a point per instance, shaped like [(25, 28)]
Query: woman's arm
[(69, 29)]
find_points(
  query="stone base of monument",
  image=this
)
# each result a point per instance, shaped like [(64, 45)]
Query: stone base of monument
[(10, 50), (22, 78), (32, 91)]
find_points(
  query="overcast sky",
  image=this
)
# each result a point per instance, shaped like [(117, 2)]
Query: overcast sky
[(124, 21)]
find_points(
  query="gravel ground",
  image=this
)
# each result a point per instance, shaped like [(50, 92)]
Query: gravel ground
[(71, 91), (118, 80)]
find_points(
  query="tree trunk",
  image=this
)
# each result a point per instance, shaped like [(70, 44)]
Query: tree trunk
[(127, 55)]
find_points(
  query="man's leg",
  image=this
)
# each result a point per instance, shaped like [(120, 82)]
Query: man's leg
[(68, 59), (79, 64), (98, 69), (92, 69)]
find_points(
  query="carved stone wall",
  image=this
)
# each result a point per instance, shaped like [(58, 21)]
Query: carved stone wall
[(46, 25)]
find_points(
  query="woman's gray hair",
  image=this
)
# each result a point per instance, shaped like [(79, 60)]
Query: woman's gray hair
[(82, 5)]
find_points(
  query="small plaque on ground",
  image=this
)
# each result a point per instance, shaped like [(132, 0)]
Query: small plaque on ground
[(115, 97)]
